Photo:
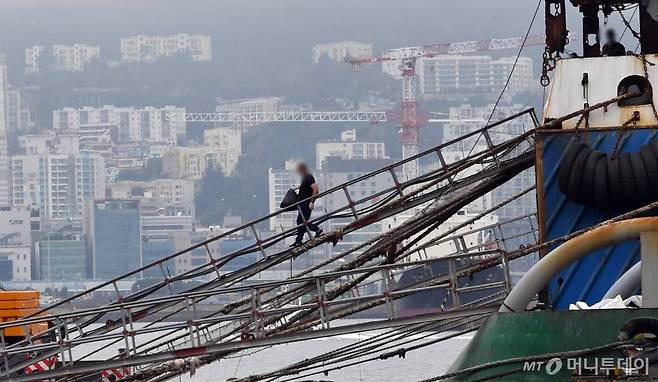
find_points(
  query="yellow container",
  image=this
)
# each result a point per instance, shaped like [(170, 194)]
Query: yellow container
[(19, 295), (18, 304)]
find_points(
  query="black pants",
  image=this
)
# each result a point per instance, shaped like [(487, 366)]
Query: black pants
[(301, 230)]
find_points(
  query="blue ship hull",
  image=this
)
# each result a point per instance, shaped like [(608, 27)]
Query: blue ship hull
[(588, 279)]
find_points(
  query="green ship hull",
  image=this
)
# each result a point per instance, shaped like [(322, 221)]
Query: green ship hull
[(506, 336)]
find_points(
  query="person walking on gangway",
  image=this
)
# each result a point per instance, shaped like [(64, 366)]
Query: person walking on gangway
[(308, 191)]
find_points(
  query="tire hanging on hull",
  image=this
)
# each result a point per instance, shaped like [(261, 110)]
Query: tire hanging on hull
[(605, 182)]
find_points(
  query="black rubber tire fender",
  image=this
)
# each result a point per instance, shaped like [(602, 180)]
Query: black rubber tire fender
[(587, 189), (654, 147), (615, 189), (601, 195), (651, 167), (565, 166), (640, 178), (628, 181), (576, 176)]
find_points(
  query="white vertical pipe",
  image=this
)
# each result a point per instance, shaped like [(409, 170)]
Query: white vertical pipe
[(649, 241)]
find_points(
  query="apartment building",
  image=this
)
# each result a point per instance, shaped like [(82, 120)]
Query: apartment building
[(452, 76), (227, 141), (4, 153), (165, 125), (194, 162), (34, 58), (62, 58), (251, 105), (57, 183), (169, 197), (16, 233), (339, 51), (19, 116), (148, 49), (349, 148)]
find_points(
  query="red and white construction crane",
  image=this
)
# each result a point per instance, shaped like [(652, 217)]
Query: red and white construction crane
[(411, 120)]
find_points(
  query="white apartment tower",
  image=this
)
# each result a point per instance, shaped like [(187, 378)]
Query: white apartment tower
[(453, 75), (164, 125), (251, 105), (63, 58), (59, 184), (349, 148), (339, 51), (194, 162), (19, 116), (4, 154), (33, 59), (147, 49), (229, 140)]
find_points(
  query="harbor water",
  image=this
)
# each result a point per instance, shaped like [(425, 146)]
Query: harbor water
[(422, 363)]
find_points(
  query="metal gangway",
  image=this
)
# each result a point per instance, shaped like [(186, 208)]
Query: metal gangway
[(259, 313)]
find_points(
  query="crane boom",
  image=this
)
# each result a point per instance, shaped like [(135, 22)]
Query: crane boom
[(307, 116), (289, 116), (463, 47)]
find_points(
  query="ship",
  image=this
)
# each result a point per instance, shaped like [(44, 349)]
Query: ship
[(588, 309), (478, 237)]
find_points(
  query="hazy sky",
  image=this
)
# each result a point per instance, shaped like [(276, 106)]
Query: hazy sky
[(262, 24), (263, 32)]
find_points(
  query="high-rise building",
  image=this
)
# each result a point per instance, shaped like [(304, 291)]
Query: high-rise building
[(19, 116), (114, 237), (340, 51), (225, 139), (453, 76), (16, 233), (4, 149), (33, 59), (15, 263), (164, 125), (63, 58), (228, 142), (147, 49), (168, 197), (58, 184), (65, 143), (61, 259), (349, 148), (194, 162)]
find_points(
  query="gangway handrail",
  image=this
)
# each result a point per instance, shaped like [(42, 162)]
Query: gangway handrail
[(328, 275), (181, 297)]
